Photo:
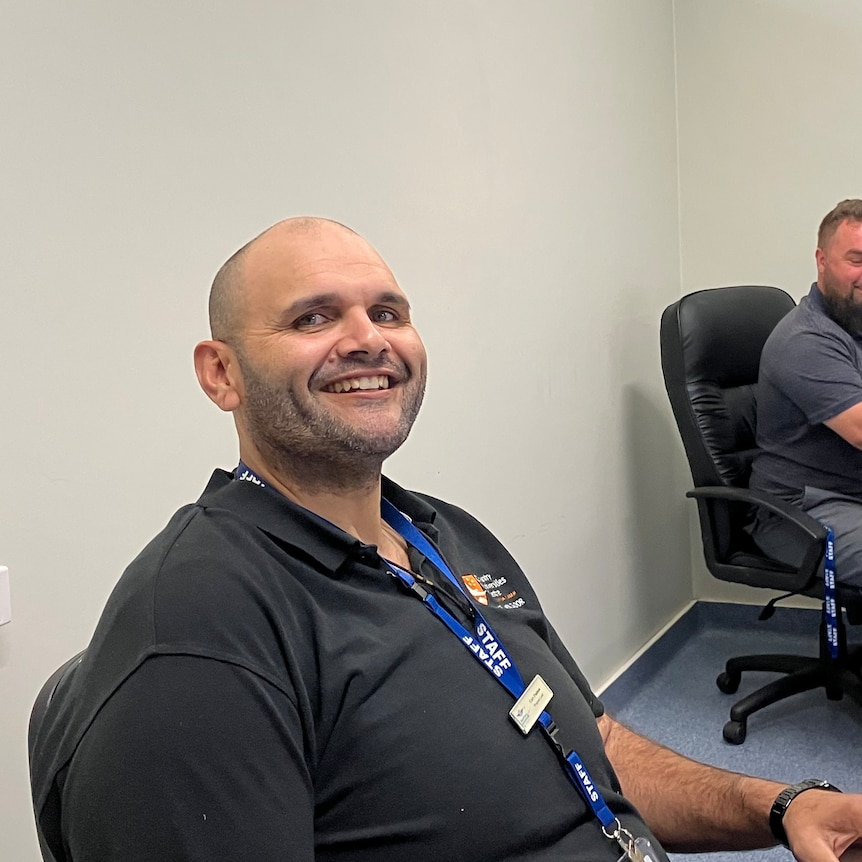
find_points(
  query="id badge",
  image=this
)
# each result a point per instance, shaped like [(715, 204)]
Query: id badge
[(528, 707)]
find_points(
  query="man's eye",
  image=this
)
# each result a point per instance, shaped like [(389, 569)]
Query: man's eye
[(314, 318), (383, 315)]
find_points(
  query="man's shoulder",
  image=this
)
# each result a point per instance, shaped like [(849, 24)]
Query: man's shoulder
[(212, 553), (198, 529), (213, 558), (805, 331)]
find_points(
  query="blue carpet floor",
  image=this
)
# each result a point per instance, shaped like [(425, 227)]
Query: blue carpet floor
[(670, 695)]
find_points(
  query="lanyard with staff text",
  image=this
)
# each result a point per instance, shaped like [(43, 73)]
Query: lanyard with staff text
[(830, 600), (487, 648)]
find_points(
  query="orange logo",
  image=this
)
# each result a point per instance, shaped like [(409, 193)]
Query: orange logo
[(475, 588)]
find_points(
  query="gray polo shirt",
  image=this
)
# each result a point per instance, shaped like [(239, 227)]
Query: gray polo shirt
[(810, 371)]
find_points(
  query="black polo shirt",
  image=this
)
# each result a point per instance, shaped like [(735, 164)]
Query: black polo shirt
[(259, 687)]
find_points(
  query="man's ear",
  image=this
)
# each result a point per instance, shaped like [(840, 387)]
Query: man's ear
[(218, 374), (819, 258)]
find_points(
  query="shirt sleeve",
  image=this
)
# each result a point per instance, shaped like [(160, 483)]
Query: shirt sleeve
[(191, 760), (819, 373)]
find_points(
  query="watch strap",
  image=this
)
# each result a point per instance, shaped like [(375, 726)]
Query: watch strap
[(783, 800)]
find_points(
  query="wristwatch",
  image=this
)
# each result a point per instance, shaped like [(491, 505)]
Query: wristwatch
[(779, 807)]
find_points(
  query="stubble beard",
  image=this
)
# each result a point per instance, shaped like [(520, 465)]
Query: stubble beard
[(299, 438), (844, 310)]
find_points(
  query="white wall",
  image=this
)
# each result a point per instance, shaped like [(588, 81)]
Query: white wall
[(514, 162), (769, 143)]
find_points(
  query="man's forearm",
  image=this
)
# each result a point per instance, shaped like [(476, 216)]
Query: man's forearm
[(689, 806)]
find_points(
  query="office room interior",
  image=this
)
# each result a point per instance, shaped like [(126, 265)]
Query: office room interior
[(543, 177)]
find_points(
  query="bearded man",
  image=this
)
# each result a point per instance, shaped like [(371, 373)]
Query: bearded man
[(809, 402)]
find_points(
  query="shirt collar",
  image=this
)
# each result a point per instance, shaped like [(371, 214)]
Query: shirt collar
[(815, 297), (294, 525)]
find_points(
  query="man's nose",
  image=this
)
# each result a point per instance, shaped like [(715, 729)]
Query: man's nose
[(359, 334)]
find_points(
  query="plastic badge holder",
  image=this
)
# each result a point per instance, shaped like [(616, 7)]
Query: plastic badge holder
[(640, 850)]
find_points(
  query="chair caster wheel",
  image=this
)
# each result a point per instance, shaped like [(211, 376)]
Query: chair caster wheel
[(734, 732), (727, 682)]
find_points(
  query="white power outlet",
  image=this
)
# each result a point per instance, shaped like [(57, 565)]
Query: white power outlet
[(5, 597)]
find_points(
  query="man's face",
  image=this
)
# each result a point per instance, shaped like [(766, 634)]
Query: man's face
[(330, 362), (839, 275)]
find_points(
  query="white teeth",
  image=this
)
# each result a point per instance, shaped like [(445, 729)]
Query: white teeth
[(380, 381)]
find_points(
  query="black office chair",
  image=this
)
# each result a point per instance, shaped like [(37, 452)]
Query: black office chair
[(711, 343), (54, 683)]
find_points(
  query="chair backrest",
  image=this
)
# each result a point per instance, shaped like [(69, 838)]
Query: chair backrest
[(52, 685), (711, 343)]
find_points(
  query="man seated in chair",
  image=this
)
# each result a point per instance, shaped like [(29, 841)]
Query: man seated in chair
[(305, 666), (809, 403)]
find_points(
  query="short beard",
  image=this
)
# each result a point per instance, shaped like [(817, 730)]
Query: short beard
[(845, 311), (301, 439)]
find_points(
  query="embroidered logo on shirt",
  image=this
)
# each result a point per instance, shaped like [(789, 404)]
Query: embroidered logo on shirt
[(495, 591)]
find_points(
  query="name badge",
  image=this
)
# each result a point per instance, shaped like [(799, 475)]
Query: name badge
[(530, 705)]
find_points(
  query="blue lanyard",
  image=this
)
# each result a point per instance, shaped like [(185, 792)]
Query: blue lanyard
[(488, 649), (485, 647), (830, 600)]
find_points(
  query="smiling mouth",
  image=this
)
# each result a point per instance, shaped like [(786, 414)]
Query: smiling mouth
[(378, 381)]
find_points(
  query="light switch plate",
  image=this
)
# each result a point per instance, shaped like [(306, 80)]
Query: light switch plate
[(5, 597)]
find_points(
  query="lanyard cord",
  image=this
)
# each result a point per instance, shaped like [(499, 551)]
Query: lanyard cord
[(830, 600), (487, 648)]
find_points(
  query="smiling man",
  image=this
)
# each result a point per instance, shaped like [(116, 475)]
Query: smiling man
[(312, 663), (809, 402), (315, 355)]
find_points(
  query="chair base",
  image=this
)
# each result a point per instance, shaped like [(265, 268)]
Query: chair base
[(801, 673)]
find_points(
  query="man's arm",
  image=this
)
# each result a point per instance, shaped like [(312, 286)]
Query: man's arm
[(191, 760), (820, 374), (848, 424), (692, 807)]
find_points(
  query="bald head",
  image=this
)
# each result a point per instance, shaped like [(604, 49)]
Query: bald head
[(228, 291), (315, 354)]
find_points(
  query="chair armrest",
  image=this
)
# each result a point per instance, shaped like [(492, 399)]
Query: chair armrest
[(787, 511), (803, 577)]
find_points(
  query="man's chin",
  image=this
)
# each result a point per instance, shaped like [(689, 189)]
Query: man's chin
[(366, 430), (376, 440)]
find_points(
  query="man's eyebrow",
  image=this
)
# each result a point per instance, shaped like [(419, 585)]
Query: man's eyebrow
[(390, 298), (306, 303)]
